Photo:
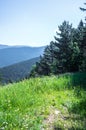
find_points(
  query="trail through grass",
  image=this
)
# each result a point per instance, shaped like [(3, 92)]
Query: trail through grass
[(27, 105)]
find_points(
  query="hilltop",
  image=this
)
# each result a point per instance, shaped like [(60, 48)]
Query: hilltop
[(48, 103)]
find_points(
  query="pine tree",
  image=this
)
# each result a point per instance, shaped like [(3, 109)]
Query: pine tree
[(83, 50), (83, 45), (66, 53), (83, 9), (63, 42)]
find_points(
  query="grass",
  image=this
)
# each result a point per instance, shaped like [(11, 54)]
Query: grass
[(27, 104)]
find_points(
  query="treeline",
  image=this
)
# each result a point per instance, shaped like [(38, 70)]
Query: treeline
[(67, 53)]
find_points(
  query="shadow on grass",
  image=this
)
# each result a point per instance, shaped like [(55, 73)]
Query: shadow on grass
[(77, 110), (79, 79), (79, 107), (58, 128), (73, 122)]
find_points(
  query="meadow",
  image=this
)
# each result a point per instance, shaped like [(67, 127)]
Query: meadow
[(45, 103)]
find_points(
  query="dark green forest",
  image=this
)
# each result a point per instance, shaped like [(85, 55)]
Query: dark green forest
[(67, 53), (17, 72)]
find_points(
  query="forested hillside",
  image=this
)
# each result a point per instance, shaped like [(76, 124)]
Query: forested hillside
[(17, 72)]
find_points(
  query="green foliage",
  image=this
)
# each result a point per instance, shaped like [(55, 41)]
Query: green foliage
[(83, 9), (66, 54), (25, 105)]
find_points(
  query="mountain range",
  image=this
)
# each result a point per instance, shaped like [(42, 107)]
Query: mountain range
[(4, 46), (17, 61), (14, 54)]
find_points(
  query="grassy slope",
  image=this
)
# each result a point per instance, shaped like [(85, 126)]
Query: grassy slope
[(28, 104)]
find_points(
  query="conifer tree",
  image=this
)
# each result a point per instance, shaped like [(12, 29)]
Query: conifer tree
[(66, 53), (83, 9)]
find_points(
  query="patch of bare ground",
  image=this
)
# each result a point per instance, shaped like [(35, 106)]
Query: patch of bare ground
[(58, 120), (48, 123)]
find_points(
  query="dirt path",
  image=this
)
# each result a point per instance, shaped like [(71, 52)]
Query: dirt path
[(49, 121), (58, 120)]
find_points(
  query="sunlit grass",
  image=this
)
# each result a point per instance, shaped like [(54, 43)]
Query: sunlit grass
[(25, 105)]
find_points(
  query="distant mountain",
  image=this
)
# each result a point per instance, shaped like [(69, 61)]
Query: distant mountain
[(17, 71), (3, 46), (15, 54)]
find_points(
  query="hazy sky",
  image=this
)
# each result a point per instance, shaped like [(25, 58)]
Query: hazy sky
[(34, 22)]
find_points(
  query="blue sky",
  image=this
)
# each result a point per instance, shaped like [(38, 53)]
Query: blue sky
[(34, 22)]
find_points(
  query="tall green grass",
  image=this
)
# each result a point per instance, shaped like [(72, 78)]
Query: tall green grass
[(25, 105)]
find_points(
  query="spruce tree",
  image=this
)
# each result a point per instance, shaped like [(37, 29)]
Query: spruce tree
[(66, 53)]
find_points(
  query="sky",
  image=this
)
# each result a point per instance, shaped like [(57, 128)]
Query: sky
[(35, 22)]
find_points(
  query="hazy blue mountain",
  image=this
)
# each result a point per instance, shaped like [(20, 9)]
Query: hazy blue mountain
[(3, 46), (15, 54), (17, 71)]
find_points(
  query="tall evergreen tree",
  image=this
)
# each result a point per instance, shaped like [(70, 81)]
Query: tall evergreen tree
[(83, 9), (66, 53), (83, 50), (64, 41), (83, 45)]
